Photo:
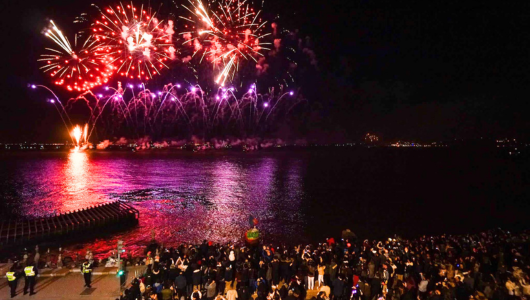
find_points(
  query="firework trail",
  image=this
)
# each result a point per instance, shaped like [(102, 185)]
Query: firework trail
[(78, 68), (224, 33), (134, 41), (174, 109)]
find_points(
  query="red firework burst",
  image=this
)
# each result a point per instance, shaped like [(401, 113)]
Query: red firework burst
[(75, 68), (224, 33), (135, 42)]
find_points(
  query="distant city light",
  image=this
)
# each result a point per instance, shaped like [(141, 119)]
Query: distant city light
[(131, 86), (99, 95), (266, 104), (106, 88), (371, 138), (291, 93), (178, 86), (193, 89), (33, 86), (52, 101)]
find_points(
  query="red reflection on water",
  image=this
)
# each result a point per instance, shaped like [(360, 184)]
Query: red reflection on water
[(77, 183), (180, 199), (76, 172)]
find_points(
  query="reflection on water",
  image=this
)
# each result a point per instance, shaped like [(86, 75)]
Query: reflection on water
[(183, 199), (296, 196), (75, 179), (76, 171)]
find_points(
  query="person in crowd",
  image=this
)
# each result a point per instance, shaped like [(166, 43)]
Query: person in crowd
[(167, 292), (211, 289), (30, 272), (310, 274), (492, 265), (231, 294), (338, 288), (325, 289), (180, 285), (321, 271), (86, 269), (12, 280), (220, 297), (196, 295), (322, 296)]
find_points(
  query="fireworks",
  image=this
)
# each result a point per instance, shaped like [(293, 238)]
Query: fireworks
[(225, 37), (78, 70), (79, 135), (135, 42), (224, 33), (176, 110)]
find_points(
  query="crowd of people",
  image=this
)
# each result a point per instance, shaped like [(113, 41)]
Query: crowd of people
[(489, 265)]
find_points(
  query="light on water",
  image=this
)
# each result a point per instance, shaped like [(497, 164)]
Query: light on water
[(297, 196)]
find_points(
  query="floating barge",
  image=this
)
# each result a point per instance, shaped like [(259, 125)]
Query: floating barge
[(91, 218)]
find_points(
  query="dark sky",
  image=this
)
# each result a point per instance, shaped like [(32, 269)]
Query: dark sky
[(429, 71)]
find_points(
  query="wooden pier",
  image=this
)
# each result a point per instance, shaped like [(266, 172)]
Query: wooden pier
[(91, 218)]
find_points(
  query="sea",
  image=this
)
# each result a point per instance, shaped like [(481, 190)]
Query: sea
[(297, 195)]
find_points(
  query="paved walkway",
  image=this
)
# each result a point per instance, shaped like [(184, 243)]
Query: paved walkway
[(70, 286), (63, 284)]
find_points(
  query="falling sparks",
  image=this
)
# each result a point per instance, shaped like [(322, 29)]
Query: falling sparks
[(145, 111), (224, 33)]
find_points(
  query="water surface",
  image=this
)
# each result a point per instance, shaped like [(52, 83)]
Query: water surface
[(297, 196)]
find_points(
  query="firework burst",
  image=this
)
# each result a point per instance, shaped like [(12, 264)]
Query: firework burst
[(76, 68), (134, 40), (224, 33)]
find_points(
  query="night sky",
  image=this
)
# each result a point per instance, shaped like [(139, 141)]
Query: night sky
[(421, 72)]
